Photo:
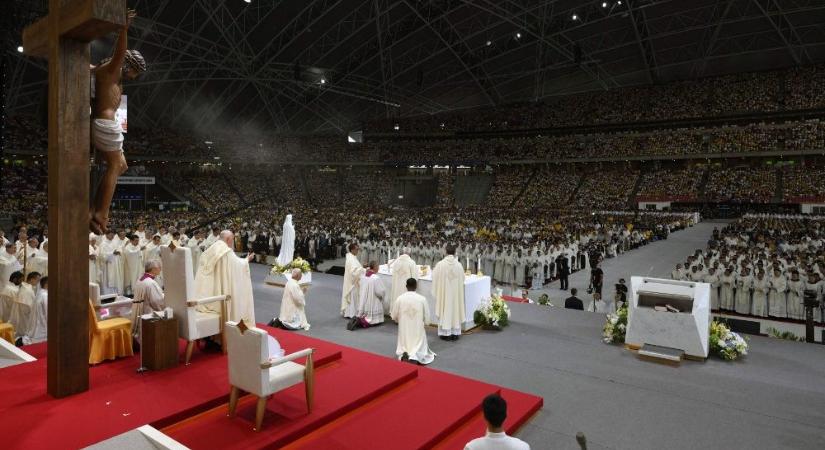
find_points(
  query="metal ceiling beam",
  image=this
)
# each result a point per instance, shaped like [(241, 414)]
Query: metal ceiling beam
[(639, 23), (785, 29)]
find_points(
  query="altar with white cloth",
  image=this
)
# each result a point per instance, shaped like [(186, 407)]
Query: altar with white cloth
[(476, 289)]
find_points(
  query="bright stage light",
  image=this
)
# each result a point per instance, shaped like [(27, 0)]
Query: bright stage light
[(489, 43), (323, 81), (396, 127), (575, 17), (604, 4), (518, 35), (20, 48), (248, 1)]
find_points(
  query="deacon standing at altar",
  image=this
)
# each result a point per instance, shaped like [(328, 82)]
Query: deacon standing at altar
[(448, 288), (411, 312), (403, 268), (133, 258), (220, 272), (293, 305), (352, 279)]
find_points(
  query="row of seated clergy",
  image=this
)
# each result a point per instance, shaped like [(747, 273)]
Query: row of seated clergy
[(257, 365)]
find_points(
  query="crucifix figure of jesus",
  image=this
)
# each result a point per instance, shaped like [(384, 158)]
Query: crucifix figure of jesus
[(63, 38), (107, 133)]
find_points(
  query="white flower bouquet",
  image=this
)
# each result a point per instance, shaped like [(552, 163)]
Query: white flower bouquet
[(616, 326), (493, 313), (297, 263), (725, 343)]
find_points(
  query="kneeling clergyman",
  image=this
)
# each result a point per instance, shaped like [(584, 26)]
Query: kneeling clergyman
[(371, 297), (293, 313), (411, 312)]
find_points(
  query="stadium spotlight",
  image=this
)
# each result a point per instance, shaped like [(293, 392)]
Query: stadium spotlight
[(489, 43), (20, 48), (604, 4), (518, 35), (248, 1), (396, 127), (575, 17), (323, 80), (619, 3)]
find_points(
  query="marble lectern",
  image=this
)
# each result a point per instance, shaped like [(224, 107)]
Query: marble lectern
[(669, 314)]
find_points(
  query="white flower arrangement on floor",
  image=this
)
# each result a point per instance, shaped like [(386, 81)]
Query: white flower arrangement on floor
[(493, 313), (616, 326), (725, 343), (297, 263)]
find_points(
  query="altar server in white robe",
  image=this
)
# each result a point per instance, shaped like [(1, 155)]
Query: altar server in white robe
[(448, 289), (112, 265), (293, 304), (744, 283), (796, 290), (133, 263), (353, 270), (152, 251), (412, 313), (402, 269), (195, 245), (712, 278), (8, 257), (371, 296), (498, 270), (537, 271), (776, 299), (220, 272), (727, 282), (94, 272), (22, 313), (40, 312), (761, 286), (147, 289)]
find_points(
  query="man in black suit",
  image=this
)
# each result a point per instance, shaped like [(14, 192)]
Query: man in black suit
[(564, 271), (574, 302)]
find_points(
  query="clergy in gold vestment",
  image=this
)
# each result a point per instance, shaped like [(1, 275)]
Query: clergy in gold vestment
[(402, 269), (448, 289), (352, 276), (220, 272)]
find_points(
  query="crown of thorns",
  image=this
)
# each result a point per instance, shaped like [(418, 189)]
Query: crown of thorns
[(133, 59)]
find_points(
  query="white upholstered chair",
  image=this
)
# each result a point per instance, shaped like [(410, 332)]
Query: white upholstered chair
[(252, 370), (115, 308), (179, 295)]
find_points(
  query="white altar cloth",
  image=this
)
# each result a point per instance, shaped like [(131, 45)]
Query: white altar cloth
[(476, 289)]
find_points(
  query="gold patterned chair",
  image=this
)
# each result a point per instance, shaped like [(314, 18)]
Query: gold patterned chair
[(108, 339), (7, 332), (251, 369)]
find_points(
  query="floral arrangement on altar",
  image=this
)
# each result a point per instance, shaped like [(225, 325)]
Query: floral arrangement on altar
[(544, 300), (725, 343), (493, 313), (297, 263), (616, 326)]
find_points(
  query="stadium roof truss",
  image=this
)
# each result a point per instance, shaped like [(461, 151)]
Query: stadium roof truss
[(321, 66)]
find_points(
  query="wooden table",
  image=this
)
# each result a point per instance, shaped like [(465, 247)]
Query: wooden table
[(160, 343)]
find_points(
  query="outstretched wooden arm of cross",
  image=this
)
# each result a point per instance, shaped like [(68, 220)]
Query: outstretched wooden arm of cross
[(63, 37)]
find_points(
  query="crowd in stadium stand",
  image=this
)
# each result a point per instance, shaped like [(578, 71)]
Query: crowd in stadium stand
[(741, 185), (803, 183), (793, 89), (762, 265), (668, 184)]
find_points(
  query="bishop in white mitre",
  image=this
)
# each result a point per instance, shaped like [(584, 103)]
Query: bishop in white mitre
[(221, 272), (293, 304), (353, 270), (111, 277), (371, 295), (412, 313), (403, 268), (448, 289)]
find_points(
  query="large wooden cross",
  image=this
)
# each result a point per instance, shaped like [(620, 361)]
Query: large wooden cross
[(63, 37)]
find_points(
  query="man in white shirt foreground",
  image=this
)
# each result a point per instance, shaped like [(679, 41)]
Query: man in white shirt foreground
[(495, 411), (411, 312)]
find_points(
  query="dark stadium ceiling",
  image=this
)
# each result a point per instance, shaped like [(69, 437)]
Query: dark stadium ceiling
[(230, 64)]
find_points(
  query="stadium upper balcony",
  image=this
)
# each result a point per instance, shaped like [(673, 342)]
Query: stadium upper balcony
[(686, 103)]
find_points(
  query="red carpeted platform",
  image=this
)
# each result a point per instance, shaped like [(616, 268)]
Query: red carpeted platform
[(119, 399), (512, 299), (358, 396)]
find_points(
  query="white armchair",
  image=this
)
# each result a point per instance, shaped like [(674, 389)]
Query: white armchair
[(179, 295), (116, 307), (252, 370)]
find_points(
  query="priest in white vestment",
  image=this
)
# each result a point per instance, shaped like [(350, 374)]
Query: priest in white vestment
[(411, 312), (195, 245), (220, 272), (353, 270), (133, 263), (40, 312), (147, 291), (448, 289), (94, 273), (371, 296), (23, 311), (403, 268), (776, 299), (112, 266), (293, 304)]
